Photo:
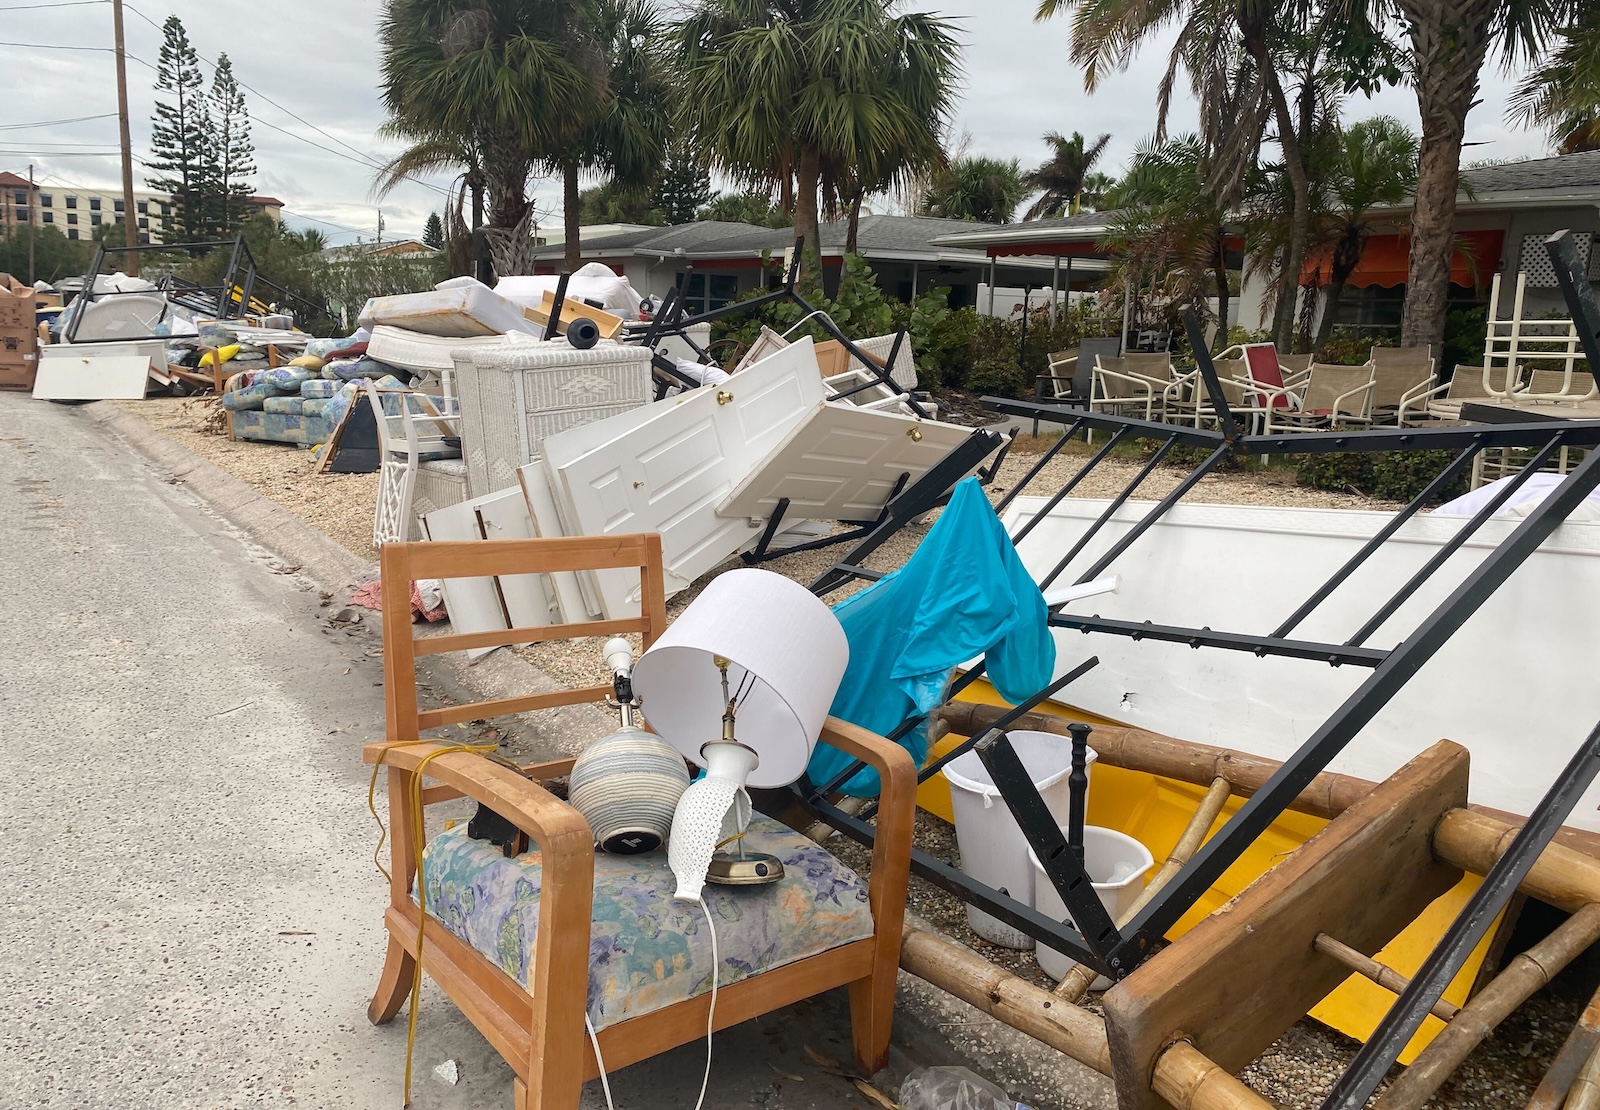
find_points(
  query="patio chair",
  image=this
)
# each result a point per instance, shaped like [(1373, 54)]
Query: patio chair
[(1334, 397), (409, 434), (1070, 380), (1403, 376), (1114, 390), (1273, 385), (1553, 385), (528, 946), (1443, 402), (1235, 382)]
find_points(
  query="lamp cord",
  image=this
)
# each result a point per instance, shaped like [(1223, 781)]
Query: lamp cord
[(605, 1084), (711, 1015)]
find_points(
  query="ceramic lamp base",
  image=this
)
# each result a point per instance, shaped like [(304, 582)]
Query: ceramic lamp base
[(749, 869)]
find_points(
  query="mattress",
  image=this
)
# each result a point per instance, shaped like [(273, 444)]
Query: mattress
[(420, 352), (460, 311)]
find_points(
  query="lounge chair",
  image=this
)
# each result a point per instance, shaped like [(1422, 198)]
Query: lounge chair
[(1070, 380), (1334, 397), (1553, 385), (1403, 377), (1235, 382), (1114, 389), (1443, 402)]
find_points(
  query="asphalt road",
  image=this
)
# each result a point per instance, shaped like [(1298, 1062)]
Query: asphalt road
[(189, 913)]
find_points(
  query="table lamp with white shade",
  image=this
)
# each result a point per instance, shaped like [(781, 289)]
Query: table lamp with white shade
[(741, 684)]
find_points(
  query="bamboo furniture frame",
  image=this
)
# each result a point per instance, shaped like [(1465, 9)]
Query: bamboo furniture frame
[(539, 1031)]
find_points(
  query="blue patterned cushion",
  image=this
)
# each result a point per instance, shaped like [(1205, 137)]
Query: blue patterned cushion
[(280, 427), (291, 405), (647, 951), (320, 388)]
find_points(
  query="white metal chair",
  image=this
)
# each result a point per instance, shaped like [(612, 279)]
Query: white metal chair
[(1403, 378), (1333, 397)]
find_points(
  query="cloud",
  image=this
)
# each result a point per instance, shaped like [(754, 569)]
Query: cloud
[(318, 60)]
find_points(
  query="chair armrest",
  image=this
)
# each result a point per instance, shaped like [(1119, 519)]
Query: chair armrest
[(1367, 388), (897, 812), (1421, 390), (560, 830), (1133, 379)]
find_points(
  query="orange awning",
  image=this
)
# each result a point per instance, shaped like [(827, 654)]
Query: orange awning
[(1386, 259)]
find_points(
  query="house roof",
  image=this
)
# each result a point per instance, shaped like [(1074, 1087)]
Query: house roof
[(10, 180), (888, 238), (1570, 175), (265, 202), (1084, 227)]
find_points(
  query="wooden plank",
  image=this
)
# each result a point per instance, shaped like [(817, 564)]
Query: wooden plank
[(459, 641), (1236, 981), (469, 558), (609, 323), (455, 714)]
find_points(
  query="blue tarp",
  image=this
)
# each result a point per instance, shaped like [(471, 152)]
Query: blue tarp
[(964, 592)]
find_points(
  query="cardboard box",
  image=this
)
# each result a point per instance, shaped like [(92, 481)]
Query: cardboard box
[(19, 358), (16, 303)]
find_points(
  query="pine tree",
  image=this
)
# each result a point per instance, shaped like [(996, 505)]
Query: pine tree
[(233, 153), (433, 232), (181, 136), (683, 187)]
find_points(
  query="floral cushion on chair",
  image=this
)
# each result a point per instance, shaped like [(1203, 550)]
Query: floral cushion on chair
[(647, 951)]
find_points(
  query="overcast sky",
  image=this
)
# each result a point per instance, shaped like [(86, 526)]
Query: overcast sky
[(317, 59)]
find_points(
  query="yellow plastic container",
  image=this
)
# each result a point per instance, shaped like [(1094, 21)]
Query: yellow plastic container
[(1155, 811)]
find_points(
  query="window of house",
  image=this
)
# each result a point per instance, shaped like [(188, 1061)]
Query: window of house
[(72, 202), (143, 239), (117, 204), (22, 215), (49, 217), (94, 204), (165, 208), (44, 199), (143, 223), (94, 218), (143, 206), (703, 292), (22, 196), (72, 217), (72, 233)]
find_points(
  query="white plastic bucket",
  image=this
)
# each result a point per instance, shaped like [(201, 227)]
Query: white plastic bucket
[(1116, 863), (993, 849)]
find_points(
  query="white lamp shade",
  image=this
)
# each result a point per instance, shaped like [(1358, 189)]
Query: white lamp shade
[(771, 628)]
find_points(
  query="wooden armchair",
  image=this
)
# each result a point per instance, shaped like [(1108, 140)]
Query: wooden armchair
[(536, 1020)]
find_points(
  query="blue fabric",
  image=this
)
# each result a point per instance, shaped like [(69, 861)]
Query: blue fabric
[(964, 592)]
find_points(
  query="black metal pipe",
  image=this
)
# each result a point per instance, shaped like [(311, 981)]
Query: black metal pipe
[(1157, 511), (1263, 807), (1116, 503), (1429, 492), (1072, 483), (1208, 376), (1078, 788), (1335, 654), (1033, 471), (1374, 1059), (1450, 546), (553, 323), (1148, 429)]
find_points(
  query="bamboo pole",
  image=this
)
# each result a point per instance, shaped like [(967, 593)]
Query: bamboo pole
[(1076, 982), (1382, 974), (1183, 1075), (1574, 1054), (1526, 973), (1585, 1093), (1328, 795), (1472, 841)]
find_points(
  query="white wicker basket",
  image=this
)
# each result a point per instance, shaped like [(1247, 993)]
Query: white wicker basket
[(514, 397)]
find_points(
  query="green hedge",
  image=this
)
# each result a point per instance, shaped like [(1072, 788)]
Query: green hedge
[(1390, 475)]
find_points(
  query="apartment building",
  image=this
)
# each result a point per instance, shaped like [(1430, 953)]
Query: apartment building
[(79, 213)]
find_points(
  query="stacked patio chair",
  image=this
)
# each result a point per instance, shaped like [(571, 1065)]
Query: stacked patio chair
[(1139, 384), (1070, 380), (1332, 397), (1443, 402), (1403, 377)]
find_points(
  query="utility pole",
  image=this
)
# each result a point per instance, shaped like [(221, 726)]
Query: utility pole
[(380, 227), (130, 224), (33, 206)]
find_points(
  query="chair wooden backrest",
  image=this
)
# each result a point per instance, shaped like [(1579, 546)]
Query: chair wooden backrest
[(1328, 386), (1398, 371), (1261, 362), (411, 562)]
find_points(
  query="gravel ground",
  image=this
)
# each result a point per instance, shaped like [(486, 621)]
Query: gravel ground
[(1295, 1072)]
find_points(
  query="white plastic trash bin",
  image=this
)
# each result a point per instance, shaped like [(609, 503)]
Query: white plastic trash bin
[(993, 849), (1116, 863)]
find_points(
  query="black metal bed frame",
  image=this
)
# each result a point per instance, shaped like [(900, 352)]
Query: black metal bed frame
[(1117, 952), (241, 274)]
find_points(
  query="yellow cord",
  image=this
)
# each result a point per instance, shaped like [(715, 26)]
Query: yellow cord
[(415, 800), (734, 839)]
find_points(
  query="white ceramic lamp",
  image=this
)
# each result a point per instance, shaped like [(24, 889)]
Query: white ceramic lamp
[(781, 653)]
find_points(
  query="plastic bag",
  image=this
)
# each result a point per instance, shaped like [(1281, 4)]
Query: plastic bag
[(946, 1088)]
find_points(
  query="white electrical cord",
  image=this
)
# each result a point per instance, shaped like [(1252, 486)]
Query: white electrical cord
[(711, 1015), (605, 1084)]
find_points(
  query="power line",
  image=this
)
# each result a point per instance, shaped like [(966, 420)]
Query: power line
[(50, 46), (56, 4), (60, 153), (59, 122)]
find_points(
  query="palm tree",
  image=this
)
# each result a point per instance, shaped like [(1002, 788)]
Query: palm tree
[(455, 155), (1449, 45), (986, 190), (1563, 93), (1374, 165), (798, 95), (508, 80), (1063, 174), (1171, 230), (1095, 187), (625, 136)]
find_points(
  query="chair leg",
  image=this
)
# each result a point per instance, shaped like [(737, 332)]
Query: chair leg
[(871, 1018), (394, 985)]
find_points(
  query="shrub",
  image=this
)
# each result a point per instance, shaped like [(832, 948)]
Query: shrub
[(1390, 475)]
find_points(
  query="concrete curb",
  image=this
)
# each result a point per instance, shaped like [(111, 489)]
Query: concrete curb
[(932, 1027), (320, 558)]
